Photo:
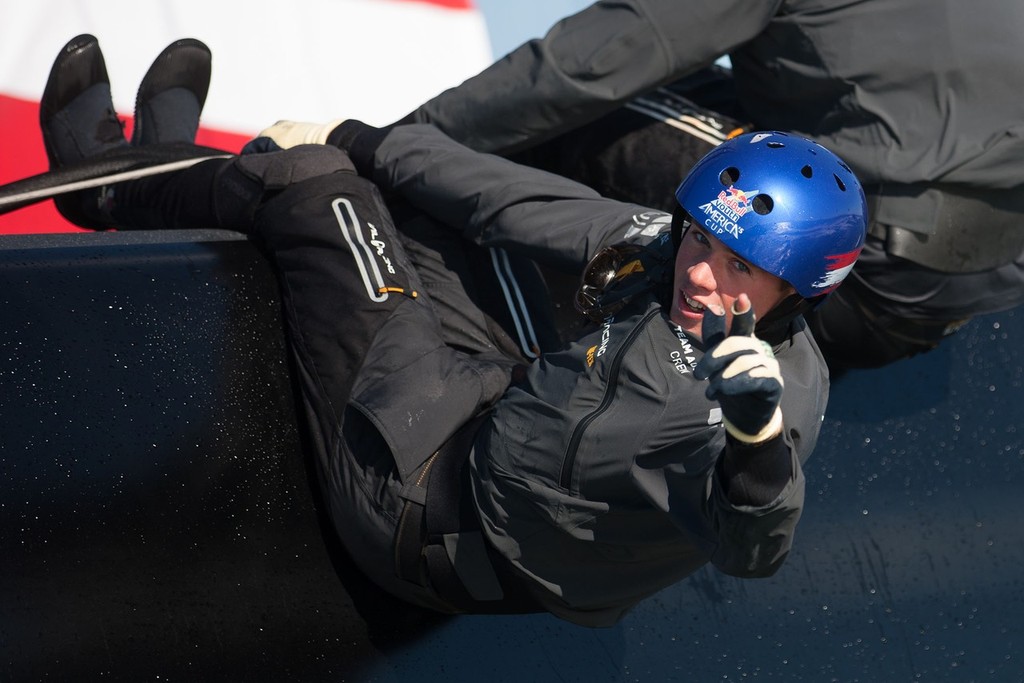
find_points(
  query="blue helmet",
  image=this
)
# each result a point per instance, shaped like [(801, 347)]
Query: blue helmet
[(784, 203)]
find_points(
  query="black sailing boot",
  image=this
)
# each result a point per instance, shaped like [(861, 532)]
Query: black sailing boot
[(78, 121), (172, 94)]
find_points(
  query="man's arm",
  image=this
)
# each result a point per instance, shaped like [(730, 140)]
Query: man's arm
[(757, 502), (758, 487), (492, 201), (587, 65)]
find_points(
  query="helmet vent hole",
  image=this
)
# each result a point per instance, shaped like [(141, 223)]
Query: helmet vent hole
[(807, 171), (775, 145), (729, 176), (839, 182), (762, 204)]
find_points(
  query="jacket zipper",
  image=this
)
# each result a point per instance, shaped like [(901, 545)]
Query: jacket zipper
[(565, 476)]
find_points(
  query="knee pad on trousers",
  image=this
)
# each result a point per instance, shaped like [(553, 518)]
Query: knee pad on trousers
[(250, 180), (277, 170), (337, 224)]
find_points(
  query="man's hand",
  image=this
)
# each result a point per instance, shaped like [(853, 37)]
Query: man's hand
[(288, 134), (743, 375)]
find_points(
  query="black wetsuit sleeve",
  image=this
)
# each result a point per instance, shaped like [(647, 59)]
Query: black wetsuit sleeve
[(755, 475), (589, 64)]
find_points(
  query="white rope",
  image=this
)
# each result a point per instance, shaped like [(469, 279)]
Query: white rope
[(134, 174)]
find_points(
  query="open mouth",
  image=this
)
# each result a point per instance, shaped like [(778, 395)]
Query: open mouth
[(693, 304)]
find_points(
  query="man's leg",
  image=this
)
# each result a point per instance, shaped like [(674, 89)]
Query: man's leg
[(354, 318), (640, 152), (382, 389)]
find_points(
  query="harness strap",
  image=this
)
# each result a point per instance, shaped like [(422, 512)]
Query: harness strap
[(438, 518), (951, 230)]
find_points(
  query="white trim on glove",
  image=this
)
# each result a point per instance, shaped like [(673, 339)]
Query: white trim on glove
[(770, 431), (288, 134)]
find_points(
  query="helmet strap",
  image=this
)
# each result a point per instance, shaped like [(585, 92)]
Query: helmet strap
[(681, 222), (774, 327)]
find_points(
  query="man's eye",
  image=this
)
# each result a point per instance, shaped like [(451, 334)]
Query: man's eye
[(742, 267), (700, 237)]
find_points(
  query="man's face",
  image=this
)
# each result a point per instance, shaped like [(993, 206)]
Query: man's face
[(710, 275)]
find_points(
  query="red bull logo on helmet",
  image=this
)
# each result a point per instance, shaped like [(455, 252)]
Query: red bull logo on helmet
[(724, 212), (737, 200), (837, 267)]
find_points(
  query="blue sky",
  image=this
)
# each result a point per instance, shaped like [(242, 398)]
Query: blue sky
[(512, 22)]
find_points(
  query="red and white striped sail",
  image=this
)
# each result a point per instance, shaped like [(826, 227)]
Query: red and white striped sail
[(306, 60)]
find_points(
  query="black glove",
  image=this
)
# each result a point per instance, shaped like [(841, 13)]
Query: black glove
[(743, 376)]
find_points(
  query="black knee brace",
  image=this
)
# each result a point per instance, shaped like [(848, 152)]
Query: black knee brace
[(250, 180)]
